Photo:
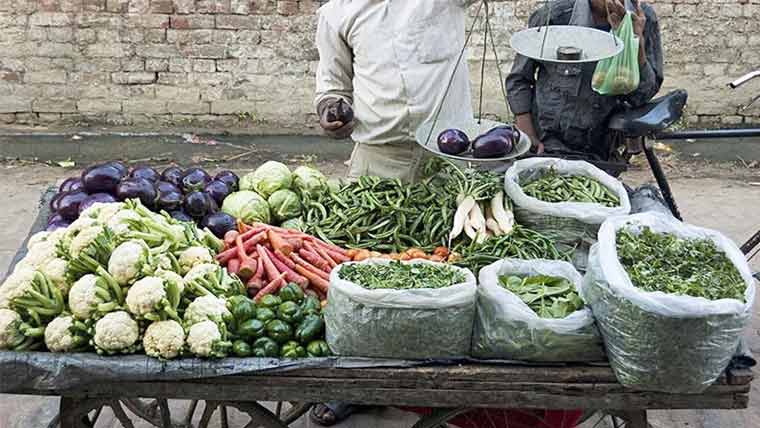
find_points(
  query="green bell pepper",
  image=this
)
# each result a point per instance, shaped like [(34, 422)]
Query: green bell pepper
[(310, 328), (251, 329), (318, 348), (269, 301), (292, 350), (242, 308), (265, 347), (241, 349), (311, 305), (265, 314), (291, 293), (290, 312), (279, 331)]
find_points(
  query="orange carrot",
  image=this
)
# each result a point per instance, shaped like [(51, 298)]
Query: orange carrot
[(269, 267), (319, 250), (285, 259), (314, 259), (229, 238), (328, 245), (338, 257), (299, 261), (313, 278), (290, 274), (226, 255), (247, 264), (273, 286), (233, 266), (254, 283), (279, 243), (352, 252), (296, 243)]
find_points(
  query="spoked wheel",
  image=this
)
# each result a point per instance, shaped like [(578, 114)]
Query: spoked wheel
[(76, 413), (498, 418)]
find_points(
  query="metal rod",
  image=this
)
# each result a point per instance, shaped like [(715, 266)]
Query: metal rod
[(546, 30), (709, 133), (483, 63), (662, 182)]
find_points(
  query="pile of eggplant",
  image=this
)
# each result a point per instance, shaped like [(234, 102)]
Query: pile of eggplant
[(495, 143), (186, 194)]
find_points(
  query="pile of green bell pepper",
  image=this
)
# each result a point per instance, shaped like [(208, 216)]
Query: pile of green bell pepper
[(287, 325)]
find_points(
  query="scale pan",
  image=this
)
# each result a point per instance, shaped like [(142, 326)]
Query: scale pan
[(596, 45)]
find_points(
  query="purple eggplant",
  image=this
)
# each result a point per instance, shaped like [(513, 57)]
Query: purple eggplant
[(145, 172), (453, 142), (137, 188), (169, 200), (219, 223), (120, 166), (173, 174), (167, 187), (340, 111), (194, 180), (491, 145), (218, 190), (229, 178), (67, 183), (68, 204), (198, 204), (94, 198), (55, 201), (55, 218), (506, 131), (60, 224), (101, 178), (180, 215)]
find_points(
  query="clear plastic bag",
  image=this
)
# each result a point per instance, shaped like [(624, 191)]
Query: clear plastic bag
[(506, 328), (413, 324), (657, 341), (619, 75)]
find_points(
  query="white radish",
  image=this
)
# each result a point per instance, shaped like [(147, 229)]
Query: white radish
[(493, 226), (478, 222), (469, 225), (503, 217), (461, 215)]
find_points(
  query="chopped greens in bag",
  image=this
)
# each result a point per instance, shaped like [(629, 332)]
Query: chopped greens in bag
[(548, 296), (401, 276)]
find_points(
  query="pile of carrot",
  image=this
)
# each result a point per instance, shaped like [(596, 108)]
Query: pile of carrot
[(440, 254), (268, 257)]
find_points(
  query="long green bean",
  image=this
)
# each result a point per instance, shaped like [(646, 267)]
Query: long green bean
[(553, 187)]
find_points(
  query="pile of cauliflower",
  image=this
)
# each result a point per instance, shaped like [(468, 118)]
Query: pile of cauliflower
[(119, 280)]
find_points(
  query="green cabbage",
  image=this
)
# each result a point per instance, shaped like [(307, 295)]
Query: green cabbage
[(309, 181), (267, 179), (294, 223), (247, 206), (284, 204)]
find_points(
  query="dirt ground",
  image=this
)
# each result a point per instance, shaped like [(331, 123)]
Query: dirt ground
[(720, 196)]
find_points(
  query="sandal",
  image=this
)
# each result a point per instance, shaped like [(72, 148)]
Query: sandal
[(329, 414)]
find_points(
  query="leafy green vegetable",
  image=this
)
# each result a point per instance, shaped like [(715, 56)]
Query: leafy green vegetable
[(267, 179), (547, 296), (553, 187), (294, 223), (401, 276), (247, 206), (664, 262), (309, 181), (284, 205)]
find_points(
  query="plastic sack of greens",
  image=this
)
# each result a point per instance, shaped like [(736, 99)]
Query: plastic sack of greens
[(670, 299), (564, 200), (619, 75), (392, 309), (530, 310)]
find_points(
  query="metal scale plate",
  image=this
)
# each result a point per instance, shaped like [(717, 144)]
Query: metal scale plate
[(595, 45)]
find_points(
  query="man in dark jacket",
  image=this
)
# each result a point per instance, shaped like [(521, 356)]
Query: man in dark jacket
[(554, 103)]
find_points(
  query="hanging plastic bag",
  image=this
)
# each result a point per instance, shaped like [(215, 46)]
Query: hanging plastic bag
[(417, 323), (619, 75), (657, 341), (507, 328)]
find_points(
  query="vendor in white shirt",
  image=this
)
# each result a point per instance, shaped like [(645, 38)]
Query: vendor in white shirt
[(390, 61)]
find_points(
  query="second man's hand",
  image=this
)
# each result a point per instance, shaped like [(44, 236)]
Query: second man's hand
[(524, 123), (334, 128)]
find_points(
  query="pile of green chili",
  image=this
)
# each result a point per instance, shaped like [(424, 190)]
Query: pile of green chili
[(553, 187), (401, 276), (547, 296), (664, 262)]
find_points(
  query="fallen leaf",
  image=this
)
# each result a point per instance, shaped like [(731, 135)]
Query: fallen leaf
[(66, 164)]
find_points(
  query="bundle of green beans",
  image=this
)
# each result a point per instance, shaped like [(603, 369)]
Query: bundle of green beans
[(383, 215), (553, 187), (522, 243), (401, 276), (664, 262)]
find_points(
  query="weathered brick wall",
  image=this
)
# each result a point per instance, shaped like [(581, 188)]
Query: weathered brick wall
[(250, 63)]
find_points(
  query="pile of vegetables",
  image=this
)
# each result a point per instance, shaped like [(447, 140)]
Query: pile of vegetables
[(401, 276), (664, 262), (547, 296), (553, 187), (496, 142), (187, 195), (266, 257)]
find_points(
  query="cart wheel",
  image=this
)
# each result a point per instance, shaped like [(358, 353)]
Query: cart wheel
[(496, 418)]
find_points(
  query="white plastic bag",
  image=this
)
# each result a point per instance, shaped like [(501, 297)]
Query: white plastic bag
[(657, 341), (571, 225), (417, 323), (506, 328)]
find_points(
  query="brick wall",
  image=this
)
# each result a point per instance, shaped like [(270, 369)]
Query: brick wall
[(250, 63)]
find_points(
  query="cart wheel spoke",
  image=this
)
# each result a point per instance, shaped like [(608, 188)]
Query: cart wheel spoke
[(208, 411), (295, 412), (190, 413), (439, 417), (118, 411), (224, 421)]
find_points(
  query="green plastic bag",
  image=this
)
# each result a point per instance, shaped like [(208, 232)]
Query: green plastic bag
[(619, 75)]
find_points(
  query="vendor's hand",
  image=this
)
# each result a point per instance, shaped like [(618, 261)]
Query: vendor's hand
[(639, 22), (524, 123), (334, 129), (615, 12), (537, 147)]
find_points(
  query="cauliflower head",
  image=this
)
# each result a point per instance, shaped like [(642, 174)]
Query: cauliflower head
[(169, 276), (145, 296), (164, 339), (60, 335), (55, 271), (37, 238), (83, 297), (194, 256), (16, 285), (206, 308), (119, 224), (83, 240), (115, 333), (39, 254), (200, 270), (102, 211), (10, 333), (205, 340), (130, 261)]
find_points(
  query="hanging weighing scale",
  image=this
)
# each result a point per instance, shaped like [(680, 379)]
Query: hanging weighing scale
[(548, 43)]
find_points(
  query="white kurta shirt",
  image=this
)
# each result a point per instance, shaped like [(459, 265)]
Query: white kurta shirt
[(391, 60)]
